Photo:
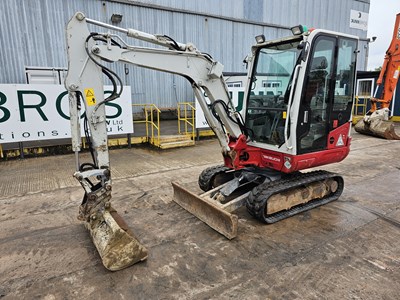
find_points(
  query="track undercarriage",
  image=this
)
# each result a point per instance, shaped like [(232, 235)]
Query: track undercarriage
[(269, 196)]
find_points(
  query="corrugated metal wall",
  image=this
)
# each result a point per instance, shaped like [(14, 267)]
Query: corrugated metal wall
[(32, 33)]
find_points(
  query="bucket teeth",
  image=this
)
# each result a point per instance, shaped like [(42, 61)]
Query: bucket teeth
[(115, 242)]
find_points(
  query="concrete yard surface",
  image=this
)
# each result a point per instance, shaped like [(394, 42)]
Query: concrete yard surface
[(347, 249)]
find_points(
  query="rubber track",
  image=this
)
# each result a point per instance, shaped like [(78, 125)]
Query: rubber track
[(207, 176), (258, 198)]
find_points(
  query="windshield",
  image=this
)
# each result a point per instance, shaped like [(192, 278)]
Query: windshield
[(266, 106)]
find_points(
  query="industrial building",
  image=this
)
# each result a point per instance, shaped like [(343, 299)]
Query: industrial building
[(33, 37)]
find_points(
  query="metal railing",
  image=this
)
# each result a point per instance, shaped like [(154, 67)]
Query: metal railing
[(152, 121), (360, 102), (186, 115)]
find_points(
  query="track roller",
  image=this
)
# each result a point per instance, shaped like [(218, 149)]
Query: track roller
[(273, 201)]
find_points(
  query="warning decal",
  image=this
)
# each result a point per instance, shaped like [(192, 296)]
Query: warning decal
[(90, 98), (340, 141)]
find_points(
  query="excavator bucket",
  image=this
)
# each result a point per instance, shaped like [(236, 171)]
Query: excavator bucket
[(115, 242), (216, 215), (377, 127)]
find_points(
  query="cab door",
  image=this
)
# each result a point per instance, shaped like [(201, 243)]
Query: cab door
[(316, 100), (328, 94)]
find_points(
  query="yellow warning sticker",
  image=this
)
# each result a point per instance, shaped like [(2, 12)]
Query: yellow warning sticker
[(90, 98)]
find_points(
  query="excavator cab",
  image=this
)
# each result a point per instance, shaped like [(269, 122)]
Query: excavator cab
[(300, 94)]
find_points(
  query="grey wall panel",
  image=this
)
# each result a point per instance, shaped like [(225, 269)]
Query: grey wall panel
[(32, 33)]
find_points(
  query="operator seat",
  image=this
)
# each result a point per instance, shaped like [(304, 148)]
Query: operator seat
[(315, 103), (317, 78)]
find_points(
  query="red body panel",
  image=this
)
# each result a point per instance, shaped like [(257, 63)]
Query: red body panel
[(243, 155)]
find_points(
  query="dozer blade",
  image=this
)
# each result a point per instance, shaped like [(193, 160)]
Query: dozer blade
[(210, 213), (379, 128), (115, 242)]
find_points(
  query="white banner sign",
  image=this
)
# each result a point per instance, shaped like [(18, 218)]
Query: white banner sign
[(31, 112), (358, 20)]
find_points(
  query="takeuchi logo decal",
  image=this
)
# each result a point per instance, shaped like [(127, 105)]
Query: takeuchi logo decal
[(271, 158)]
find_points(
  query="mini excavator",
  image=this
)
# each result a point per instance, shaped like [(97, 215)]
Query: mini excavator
[(296, 116), (376, 121)]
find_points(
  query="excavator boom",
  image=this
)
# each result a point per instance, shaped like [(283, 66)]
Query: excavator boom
[(87, 51)]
